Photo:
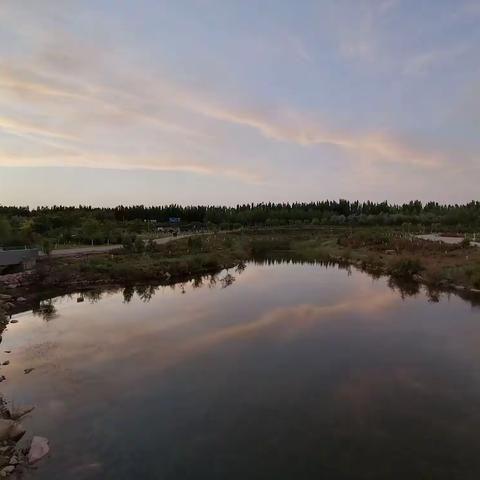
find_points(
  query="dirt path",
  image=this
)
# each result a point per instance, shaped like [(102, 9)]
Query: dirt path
[(67, 252), (70, 252)]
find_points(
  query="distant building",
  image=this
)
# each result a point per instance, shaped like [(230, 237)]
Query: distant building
[(12, 261)]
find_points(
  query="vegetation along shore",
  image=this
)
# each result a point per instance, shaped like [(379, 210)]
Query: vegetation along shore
[(379, 251)]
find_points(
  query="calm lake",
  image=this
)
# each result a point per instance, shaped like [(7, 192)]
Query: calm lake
[(279, 371)]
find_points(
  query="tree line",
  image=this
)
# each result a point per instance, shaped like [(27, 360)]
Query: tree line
[(86, 224)]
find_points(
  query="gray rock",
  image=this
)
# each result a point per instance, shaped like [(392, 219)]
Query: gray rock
[(14, 460), (5, 426), (6, 471), (21, 299), (38, 449), (18, 412), (13, 321), (6, 362), (11, 430), (28, 370), (17, 431)]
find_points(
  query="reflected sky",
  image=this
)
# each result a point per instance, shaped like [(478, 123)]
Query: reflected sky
[(290, 371)]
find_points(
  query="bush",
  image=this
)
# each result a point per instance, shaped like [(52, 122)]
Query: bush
[(195, 244), (128, 242), (473, 273), (47, 247), (406, 267), (228, 242), (264, 246), (139, 245)]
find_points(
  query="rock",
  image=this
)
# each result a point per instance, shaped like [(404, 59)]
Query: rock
[(19, 412), (2, 378), (14, 460), (21, 299), (28, 370), (6, 471), (5, 426), (17, 431), (38, 449), (14, 321), (11, 430), (4, 297), (6, 362)]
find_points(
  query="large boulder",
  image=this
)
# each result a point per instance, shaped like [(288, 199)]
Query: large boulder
[(38, 449)]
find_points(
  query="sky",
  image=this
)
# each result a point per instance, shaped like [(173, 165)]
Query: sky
[(109, 102)]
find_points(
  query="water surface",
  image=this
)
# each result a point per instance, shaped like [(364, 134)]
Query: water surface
[(278, 372)]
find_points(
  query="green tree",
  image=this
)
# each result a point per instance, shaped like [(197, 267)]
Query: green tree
[(5, 230), (139, 245), (91, 229), (47, 246)]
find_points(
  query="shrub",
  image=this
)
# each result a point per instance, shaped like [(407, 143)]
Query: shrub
[(139, 245), (473, 273), (47, 246), (406, 267), (264, 246), (228, 242), (195, 244)]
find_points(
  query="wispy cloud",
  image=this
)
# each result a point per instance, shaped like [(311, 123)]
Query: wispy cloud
[(421, 63), (159, 164), (26, 129), (113, 104), (298, 46), (292, 127)]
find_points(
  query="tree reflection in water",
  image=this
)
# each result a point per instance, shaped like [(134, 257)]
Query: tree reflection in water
[(406, 288), (45, 309)]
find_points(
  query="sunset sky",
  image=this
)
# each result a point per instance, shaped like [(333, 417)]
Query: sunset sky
[(149, 101)]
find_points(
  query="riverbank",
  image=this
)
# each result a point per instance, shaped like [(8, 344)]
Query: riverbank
[(376, 251)]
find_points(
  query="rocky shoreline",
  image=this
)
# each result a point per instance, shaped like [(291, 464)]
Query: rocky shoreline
[(14, 459)]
